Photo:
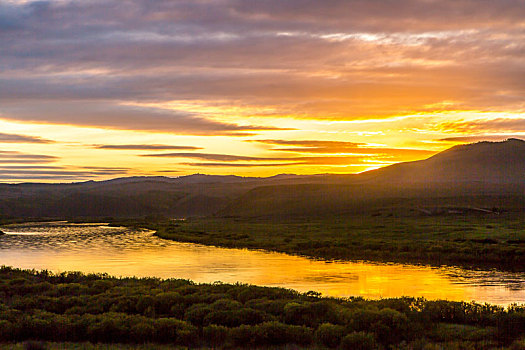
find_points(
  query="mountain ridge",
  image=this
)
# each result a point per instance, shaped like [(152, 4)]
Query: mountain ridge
[(485, 161), (490, 170)]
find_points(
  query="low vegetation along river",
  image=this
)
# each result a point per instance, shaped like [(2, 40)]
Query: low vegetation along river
[(123, 252)]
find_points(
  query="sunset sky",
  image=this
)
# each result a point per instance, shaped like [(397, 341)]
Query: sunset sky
[(98, 89)]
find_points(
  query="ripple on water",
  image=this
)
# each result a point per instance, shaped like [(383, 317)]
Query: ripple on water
[(120, 251)]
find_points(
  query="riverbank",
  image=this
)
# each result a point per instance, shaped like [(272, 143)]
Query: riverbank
[(121, 251), (72, 307), (472, 241)]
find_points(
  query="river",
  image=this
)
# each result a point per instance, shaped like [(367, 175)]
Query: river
[(119, 251)]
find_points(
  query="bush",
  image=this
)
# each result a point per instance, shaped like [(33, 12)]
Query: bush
[(142, 332), (196, 314), (165, 301), (170, 330), (234, 318), (215, 335), (329, 335), (277, 318), (309, 314), (359, 341), (270, 333), (6, 330), (277, 333), (34, 345)]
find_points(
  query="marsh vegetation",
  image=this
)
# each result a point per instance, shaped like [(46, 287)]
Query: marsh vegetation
[(72, 307), (495, 240)]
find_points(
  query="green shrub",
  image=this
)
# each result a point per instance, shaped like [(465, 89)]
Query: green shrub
[(165, 301), (359, 341), (277, 318), (215, 335), (6, 330), (270, 333), (329, 335), (309, 314), (34, 345), (170, 330), (234, 318)]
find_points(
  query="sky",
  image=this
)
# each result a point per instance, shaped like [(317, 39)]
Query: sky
[(99, 89)]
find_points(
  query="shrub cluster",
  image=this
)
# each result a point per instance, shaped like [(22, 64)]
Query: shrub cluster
[(72, 307)]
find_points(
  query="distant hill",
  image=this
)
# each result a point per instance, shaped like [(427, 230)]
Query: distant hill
[(483, 174), (482, 162)]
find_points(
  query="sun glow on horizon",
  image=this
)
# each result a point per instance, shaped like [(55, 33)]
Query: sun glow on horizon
[(257, 91)]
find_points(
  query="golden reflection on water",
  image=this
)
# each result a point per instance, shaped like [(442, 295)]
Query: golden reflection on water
[(122, 252)]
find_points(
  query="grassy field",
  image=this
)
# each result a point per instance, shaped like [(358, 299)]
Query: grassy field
[(473, 239), (68, 310)]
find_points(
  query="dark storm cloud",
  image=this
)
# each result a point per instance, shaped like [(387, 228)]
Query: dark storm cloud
[(337, 59)]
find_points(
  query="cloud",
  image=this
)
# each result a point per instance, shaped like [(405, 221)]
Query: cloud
[(14, 157), (146, 147), (479, 138), (115, 116), (14, 138), (233, 159), (15, 172), (24, 161), (62, 173), (214, 68), (240, 165), (29, 167), (209, 156), (25, 178), (343, 60), (311, 146), (314, 146), (507, 125), (168, 171)]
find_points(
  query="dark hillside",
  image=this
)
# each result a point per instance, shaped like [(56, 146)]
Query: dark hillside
[(484, 174), (482, 162), (481, 175)]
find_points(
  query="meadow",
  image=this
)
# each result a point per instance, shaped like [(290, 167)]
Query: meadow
[(488, 240), (42, 310)]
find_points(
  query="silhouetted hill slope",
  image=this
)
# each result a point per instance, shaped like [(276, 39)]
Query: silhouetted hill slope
[(482, 162), (207, 179), (133, 196), (483, 174)]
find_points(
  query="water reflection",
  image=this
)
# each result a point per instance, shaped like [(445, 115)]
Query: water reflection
[(123, 252)]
